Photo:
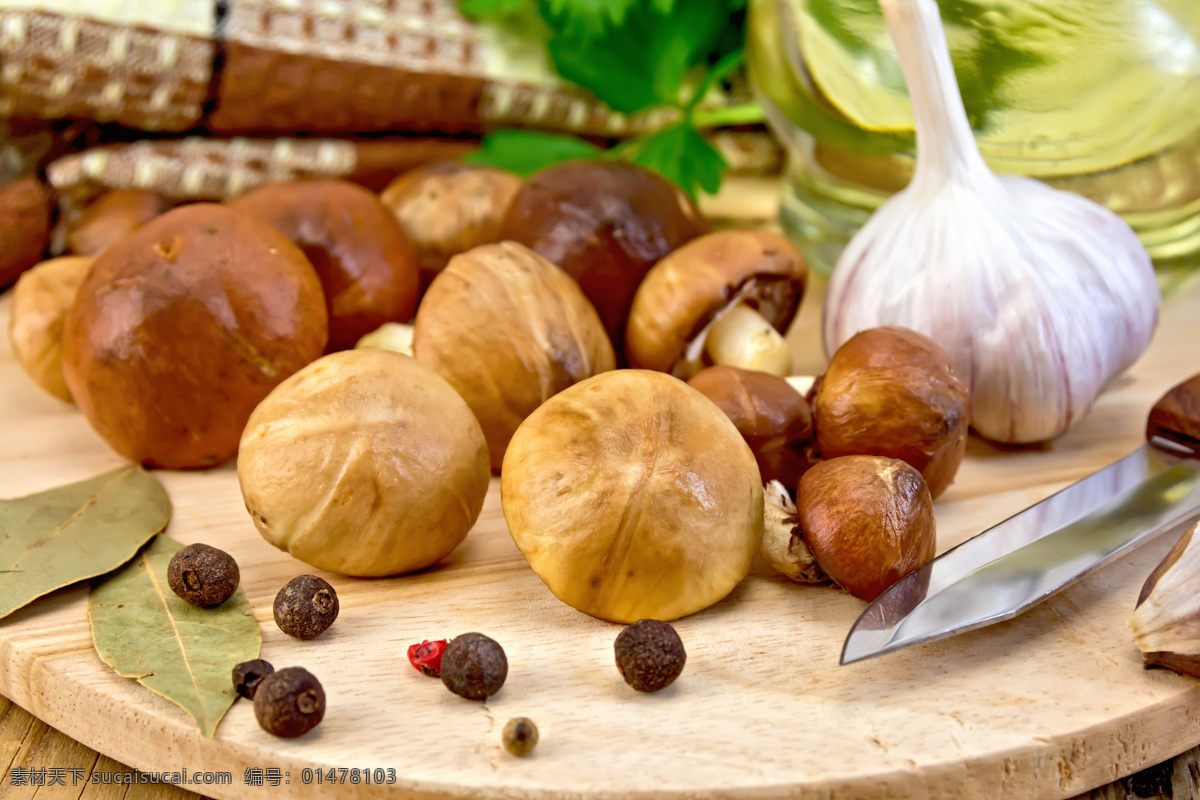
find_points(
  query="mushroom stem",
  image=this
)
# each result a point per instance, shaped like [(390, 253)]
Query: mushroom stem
[(394, 336), (743, 338)]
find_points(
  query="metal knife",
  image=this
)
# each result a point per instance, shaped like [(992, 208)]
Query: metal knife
[(1018, 563)]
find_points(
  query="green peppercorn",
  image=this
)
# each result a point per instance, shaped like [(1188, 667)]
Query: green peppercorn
[(474, 666), (203, 575), (306, 607), (248, 674), (520, 736), (289, 703), (650, 655)]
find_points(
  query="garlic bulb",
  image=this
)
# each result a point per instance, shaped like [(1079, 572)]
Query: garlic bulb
[(1041, 297), (1166, 622)]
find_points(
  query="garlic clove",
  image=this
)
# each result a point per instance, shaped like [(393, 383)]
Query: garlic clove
[(744, 338), (782, 545), (1041, 297), (1166, 621)]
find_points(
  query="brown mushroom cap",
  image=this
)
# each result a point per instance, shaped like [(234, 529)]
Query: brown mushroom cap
[(39, 308), (606, 223), (508, 330), (449, 207), (182, 327), (24, 226), (773, 418), (894, 392), (868, 521), (367, 265), (366, 463), (683, 293), (633, 497), (111, 216)]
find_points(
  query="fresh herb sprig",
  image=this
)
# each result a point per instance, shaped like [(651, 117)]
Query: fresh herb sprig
[(634, 55)]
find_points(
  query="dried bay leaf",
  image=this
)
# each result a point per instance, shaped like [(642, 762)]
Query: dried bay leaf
[(71, 533), (186, 654)]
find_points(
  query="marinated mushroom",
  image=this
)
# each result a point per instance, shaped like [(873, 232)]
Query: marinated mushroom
[(508, 330), (365, 463), (633, 497), (606, 223), (868, 521), (111, 216), (449, 207), (772, 417), (894, 392), (39, 308), (25, 211), (182, 327), (367, 265), (723, 299)]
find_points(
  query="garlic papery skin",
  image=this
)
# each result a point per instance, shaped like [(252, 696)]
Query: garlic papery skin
[(1041, 297), (1166, 622)]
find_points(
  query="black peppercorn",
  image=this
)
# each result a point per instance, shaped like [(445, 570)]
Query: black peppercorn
[(289, 703), (520, 736), (474, 666), (203, 575), (248, 674), (650, 655), (306, 607)]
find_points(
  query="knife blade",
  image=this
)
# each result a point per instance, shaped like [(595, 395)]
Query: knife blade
[(1013, 566)]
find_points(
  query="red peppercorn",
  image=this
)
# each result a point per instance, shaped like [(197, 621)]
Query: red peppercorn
[(427, 656)]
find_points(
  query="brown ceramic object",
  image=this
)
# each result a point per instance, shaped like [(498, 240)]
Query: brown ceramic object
[(182, 327), (367, 265), (894, 392), (867, 520), (606, 223)]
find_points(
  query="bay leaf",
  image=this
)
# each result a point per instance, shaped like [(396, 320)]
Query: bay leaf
[(71, 533), (143, 630)]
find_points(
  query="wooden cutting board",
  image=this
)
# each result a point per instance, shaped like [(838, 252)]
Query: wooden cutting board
[(1046, 706)]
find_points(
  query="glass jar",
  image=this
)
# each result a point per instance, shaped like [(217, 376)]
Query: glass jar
[(1099, 97)]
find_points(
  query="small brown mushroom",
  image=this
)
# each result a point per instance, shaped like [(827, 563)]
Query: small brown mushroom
[(508, 330), (111, 216), (633, 497), (25, 211), (606, 223), (367, 265), (182, 327), (725, 298), (894, 392), (365, 463), (39, 307), (772, 417), (449, 207), (868, 521)]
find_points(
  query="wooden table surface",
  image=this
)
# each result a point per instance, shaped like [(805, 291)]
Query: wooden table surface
[(37, 761)]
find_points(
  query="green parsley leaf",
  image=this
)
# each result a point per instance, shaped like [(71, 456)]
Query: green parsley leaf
[(486, 9), (590, 17), (680, 154), (525, 152)]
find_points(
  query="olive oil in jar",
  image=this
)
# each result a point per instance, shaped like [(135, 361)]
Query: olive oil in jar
[(1100, 97)]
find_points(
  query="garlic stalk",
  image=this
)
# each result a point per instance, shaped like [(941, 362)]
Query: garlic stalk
[(1041, 297), (1166, 622)]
